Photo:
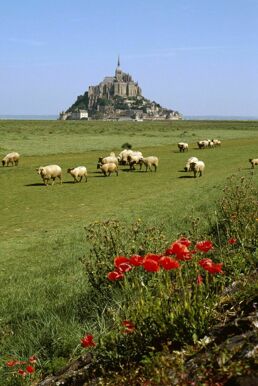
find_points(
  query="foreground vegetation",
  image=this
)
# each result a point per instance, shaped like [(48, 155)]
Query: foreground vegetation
[(53, 271)]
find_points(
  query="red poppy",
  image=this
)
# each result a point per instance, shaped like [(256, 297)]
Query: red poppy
[(167, 263), (30, 369), (152, 256), (199, 280), (204, 246), (124, 267), (232, 241), (12, 363), (151, 265), (184, 241), (129, 327), (119, 260), (22, 372), (180, 250), (87, 341), (210, 266), (136, 260), (33, 359), (114, 275)]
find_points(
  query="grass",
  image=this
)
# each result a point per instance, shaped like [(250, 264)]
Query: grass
[(42, 227)]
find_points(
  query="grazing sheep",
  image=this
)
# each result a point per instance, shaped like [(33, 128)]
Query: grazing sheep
[(253, 161), (107, 169), (197, 167), (106, 160), (123, 156), (187, 165), (11, 158), (149, 162), (78, 173), (216, 142), (50, 172), (134, 159), (203, 144), (182, 146)]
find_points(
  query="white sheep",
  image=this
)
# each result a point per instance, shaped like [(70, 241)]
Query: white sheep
[(149, 162), (216, 142), (123, 156), (182, 146), (50, 172), (187, 165), (78, 173), (134, 159), (107, 169), (11, 158), (197, 167), (107, 160), (253, 161), (203, 144)]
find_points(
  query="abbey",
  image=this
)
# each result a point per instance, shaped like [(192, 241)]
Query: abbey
[(121, 85)]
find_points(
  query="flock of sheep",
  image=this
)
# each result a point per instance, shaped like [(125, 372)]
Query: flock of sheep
[(109, 164)]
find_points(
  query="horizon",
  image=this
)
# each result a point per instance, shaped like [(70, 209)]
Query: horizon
[(199, 59)]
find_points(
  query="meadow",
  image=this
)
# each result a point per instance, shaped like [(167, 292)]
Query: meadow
[(43, 239)]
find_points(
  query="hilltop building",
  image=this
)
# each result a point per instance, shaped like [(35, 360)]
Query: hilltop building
[(117, 97)]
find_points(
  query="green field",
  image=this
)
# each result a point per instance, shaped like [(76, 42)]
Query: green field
[(42, 228)]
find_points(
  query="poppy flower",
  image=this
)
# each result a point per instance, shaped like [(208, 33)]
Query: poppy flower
[(30, 369), (210, 266), (167, 263), (119, 260), (33, 359), (129, 327), (12, 363), (232, 241), (114, 275), (152, 256), (184, 241), (151, 265), (136, 260), (87, 341), (180, 250), (124, 267), (204, 246), (22, 372), (199, 280)]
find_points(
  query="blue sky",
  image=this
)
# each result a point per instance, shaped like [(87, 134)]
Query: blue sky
[(199, 57)]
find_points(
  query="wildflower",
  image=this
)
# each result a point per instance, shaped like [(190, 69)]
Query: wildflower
[(180, 250), (124, 267), (167, 263), (136, 260), (152, 256), (119, 260), (129, 327), (210, 266), (114, 275), (204, 246), (184, 241), (151, 265), (232, 241), (33, 359), (30, 369), (87, 341), (12, 363), (22, 372), (199, 280)]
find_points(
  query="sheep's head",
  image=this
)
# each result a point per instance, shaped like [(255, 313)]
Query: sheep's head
[(40, 170), (69, 170), (3, 162)]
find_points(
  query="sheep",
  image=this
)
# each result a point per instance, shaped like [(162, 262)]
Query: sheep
[(182, 146), (216, 142), (50, 172), (197, 167), (78, 172), (106, 160), (11, 158), (109, 168), (149, 162), (187, 165), (253, 161), (123, 156), (134, 159), (202, 144)]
